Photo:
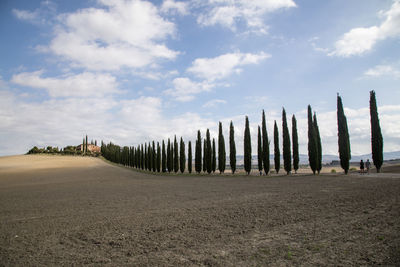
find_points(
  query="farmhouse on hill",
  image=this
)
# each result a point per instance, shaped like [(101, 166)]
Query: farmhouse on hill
[(90, 148)]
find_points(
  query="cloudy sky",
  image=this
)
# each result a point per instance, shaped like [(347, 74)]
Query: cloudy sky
[(135, 71)]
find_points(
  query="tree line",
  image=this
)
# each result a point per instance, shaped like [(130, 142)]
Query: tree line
[(169, 156)]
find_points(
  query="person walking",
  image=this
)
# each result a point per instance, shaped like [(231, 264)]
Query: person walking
[(368, 165), (361, 166)]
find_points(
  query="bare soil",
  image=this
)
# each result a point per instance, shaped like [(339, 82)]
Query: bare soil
[(76, 211)]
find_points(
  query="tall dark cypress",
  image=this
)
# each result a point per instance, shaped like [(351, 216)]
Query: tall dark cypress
[(176, 156), (259, 150), (295, 140), (154, 157), (164, 158), (213, 159), (232, 148), (277, 152), (83, 145), (208, 153), (86, 144), (182, 156), (190, 157), (247, 147), (312, 143), (287, 154), (169, 160), (343, 137), (319, 145), (265, 143), (158, 161), (197, 156), (205, 155), (142, 160), (150, 157), (146, 159), (376, 133), (221, 150)]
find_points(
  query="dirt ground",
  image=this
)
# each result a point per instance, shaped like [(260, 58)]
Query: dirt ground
[(76, 211)]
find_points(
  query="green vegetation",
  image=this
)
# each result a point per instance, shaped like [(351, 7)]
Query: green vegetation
[(312, 143), (247, 147), (197, 157), (277, 153), (259, 150), (295, 143), (287, 154), (232, 148), (221, 150), (265, 145), (343, 137), (190, 157), (376, 134)]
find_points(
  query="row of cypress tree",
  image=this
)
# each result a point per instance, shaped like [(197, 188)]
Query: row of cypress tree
[(172, 157)]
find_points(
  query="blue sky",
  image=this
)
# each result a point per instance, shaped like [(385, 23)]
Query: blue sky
[(136, 71)]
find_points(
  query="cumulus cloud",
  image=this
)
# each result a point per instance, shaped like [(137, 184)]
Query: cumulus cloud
[(360, 40), (184, 89), (31, 16), (213, 103), (383, 70), (172, 6), (228, 13), (224, 65), (85, 84), (117, 34)]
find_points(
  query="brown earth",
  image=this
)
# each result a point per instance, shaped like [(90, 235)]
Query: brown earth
[(76, 211)]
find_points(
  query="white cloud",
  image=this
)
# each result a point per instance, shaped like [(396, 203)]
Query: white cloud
[(213, 103), (172, 6), (184, 89), (383, 70), (224, 65), (30, 16), (360, 40), (228, 13), (120, 34), (85, 84)]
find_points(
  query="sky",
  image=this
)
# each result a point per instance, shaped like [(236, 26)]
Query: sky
[(135, 71)]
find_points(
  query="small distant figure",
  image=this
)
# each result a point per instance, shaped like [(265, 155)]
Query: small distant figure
[(260, 173), (367, 165), (361, 166)]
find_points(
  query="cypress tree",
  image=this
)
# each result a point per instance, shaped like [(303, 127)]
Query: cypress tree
[(343, 137), (142, 157), (190, 157), (176, 156), (376, 133), (232, 148), (86, 145), (205, 155), (265, 144), (154, 158), (182, 156), (164, 158), (197, 156), (295, 140), (213, 160), (169, 164), (221, 150), (312, 143), (277, 153), (259, 150), (247, 147), (158, 167), (83, 145), (150, 157), (319, 145), (146, 159), (208, 152), (287, 154)]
